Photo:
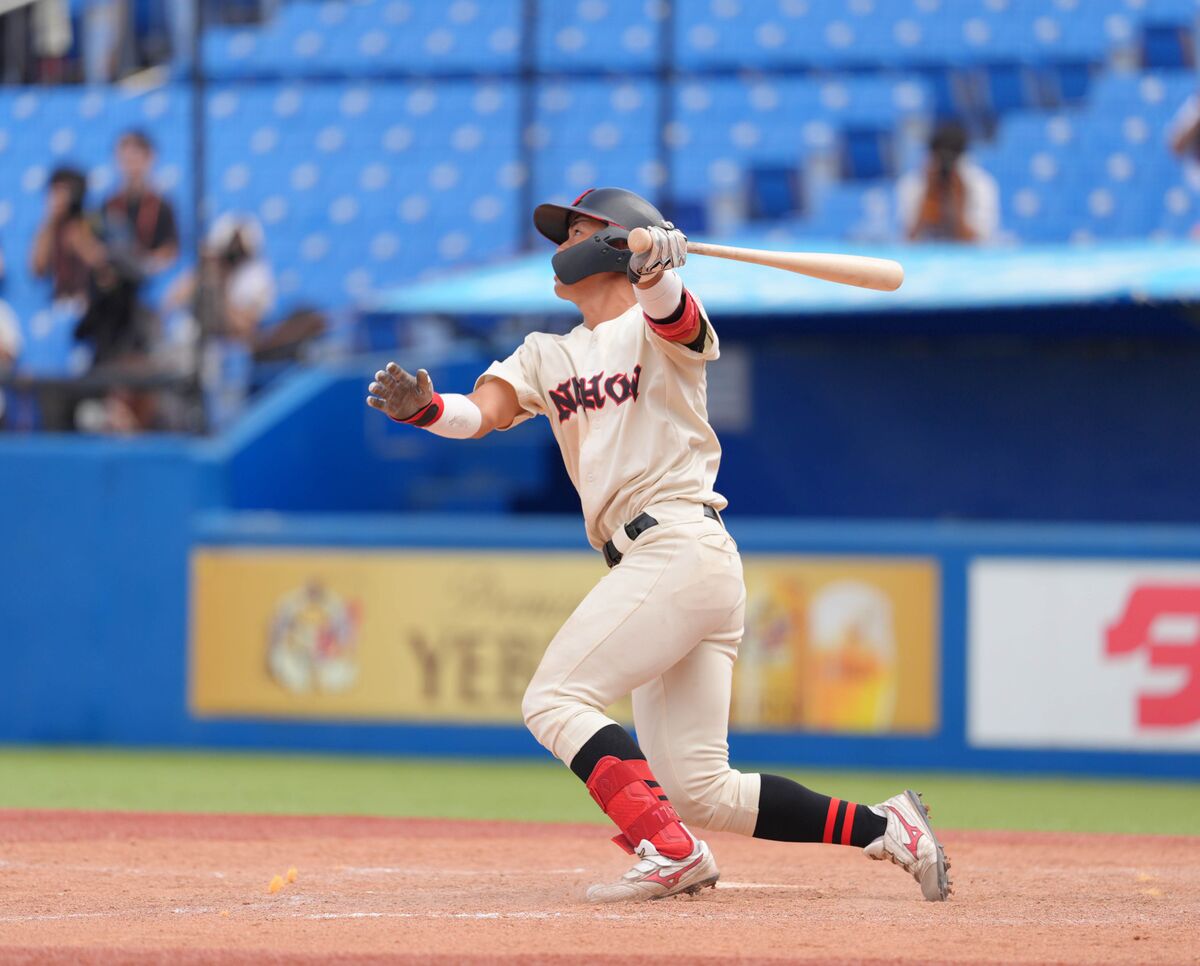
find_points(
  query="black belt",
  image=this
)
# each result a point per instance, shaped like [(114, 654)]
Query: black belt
[(639, 525)]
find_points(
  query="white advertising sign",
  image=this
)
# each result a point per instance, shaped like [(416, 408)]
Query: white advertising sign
[(1079, 654)]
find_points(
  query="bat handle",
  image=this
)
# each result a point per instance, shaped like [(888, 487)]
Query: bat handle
[(639, 241)]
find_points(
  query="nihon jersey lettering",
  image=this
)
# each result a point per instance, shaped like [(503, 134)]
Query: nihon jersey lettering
[(628, 410), (574, 394)]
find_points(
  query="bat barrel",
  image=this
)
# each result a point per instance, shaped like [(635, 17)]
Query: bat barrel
[(879, 274)]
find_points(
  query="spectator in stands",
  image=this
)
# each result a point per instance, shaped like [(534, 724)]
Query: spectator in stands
[(108, 41), (952, 198), (1185, 129), (138, 223), (234, 294), (137, 239), (10, 348), (52, 38), (1184, 135), (65, 242), (181, 24)]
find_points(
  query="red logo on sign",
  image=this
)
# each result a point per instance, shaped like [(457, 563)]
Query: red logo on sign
[(1134, 631)]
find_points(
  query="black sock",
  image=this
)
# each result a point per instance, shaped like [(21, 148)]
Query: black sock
[(789, 812), (610, 740)]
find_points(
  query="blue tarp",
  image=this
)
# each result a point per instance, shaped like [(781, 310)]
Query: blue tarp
[(937, 277)]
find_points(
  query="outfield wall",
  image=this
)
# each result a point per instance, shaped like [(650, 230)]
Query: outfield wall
[(965, 646)]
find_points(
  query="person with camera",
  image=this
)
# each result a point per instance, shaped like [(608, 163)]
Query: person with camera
[(952, 198), (231, 296), (65, 243), (136, 240)]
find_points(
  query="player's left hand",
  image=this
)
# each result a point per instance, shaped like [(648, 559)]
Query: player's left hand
[(668, 249), (398, 393)]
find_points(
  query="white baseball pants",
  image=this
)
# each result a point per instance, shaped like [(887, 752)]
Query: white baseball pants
[(664, 625)]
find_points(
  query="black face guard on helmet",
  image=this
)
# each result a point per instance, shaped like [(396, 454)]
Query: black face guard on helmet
[(608, 249)]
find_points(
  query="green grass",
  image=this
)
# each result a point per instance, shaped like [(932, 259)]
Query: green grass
[(534, 791)]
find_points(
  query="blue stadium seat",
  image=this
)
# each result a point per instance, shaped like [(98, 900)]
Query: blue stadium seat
[(365, 186), (863, 211), (841, 34), (774, 192), (723, 126), (1167, 46), (371, 37), (867, 154), (609, 35), (1010, 87), (589, 133), (1068, 83)]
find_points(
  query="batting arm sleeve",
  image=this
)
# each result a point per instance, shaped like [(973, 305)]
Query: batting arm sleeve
[(665, 332), (519, 370), (452, 416)]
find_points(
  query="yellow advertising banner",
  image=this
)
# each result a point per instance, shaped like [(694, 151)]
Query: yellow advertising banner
[(832, 644), (839, 644)]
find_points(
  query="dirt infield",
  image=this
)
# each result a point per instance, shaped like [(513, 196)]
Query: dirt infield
[(85, 887)]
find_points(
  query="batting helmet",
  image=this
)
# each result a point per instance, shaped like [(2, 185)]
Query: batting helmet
[(608, 249)]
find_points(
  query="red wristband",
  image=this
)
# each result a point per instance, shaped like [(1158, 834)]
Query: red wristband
[(427, 415), (686, 322)]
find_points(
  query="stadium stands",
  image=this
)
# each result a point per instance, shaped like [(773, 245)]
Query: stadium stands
[(359, 39), (382, 140), (363, 186), (43, 128)]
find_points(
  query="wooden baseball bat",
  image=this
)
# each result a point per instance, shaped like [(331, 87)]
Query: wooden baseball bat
[(881, 274)]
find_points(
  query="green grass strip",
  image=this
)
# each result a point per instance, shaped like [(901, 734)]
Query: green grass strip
[(534, 791)]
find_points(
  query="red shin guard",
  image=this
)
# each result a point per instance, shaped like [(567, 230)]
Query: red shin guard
[(639, 809)]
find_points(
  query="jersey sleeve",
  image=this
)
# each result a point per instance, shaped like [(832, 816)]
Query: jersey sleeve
[(519, 370), (706, 346)]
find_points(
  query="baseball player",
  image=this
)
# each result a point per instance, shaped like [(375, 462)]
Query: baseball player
[(624, 392)]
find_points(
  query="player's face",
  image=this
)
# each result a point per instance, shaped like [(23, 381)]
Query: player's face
[(580, 228)]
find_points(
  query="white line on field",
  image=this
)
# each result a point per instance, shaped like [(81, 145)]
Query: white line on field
[(434, 915), (342, 870), (438, 870), (55, 916)]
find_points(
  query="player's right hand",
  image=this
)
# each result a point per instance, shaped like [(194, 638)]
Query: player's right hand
[(398, 393), (668, 249)]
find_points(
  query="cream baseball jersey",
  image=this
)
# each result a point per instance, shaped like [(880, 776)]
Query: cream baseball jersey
[(629, 411)]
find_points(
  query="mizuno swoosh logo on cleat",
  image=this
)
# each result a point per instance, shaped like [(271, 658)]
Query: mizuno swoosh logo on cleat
[(914, 833), (673, 879)]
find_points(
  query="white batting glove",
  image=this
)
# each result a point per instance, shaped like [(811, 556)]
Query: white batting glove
[(668, 249)]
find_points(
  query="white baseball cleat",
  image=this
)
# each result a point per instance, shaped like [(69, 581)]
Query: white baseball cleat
[(909, 842), (656, 876)]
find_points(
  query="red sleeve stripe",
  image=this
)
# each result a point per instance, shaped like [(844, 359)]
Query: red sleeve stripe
[(674, 331), (848, 822), (831, 820), (427, 415)]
